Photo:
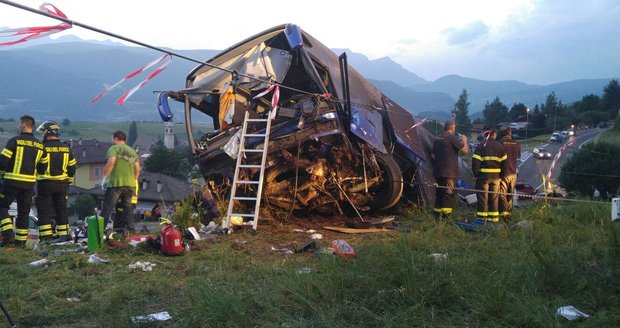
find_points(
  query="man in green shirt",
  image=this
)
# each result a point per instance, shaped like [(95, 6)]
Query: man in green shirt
[(121, 173)]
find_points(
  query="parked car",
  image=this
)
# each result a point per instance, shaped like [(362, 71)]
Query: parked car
[(524, 190)]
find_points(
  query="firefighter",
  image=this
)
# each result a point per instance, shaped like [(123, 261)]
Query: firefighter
[(445, 167), (53, 184), (21, 159), (509, 173), (487, 163)]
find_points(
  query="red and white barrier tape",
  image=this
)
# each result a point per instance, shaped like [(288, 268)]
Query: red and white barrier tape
[(30, 33), (275, 98), (130, 92), (557, 157), (416, 124)]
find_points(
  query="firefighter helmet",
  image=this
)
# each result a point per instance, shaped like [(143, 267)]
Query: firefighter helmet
[(49, 128)]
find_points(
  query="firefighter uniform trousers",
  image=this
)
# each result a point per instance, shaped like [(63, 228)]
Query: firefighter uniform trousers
[(509, 177), (444, 197), (22, 194), (51, 202), (487, 163), (52, 189)]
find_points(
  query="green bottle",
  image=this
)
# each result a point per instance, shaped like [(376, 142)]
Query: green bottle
[(95, 232)]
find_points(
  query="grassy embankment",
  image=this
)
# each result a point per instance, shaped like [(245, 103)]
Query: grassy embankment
[(568, 254), (562, 254)]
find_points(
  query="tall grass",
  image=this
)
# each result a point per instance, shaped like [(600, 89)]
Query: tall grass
[(502, 277)]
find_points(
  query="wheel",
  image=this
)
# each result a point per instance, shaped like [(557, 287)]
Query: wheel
[(390, 191)]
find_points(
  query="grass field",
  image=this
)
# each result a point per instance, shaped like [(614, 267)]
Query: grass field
[(567, 254), (103, 130)]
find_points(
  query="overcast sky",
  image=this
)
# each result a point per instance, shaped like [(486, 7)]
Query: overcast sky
[(533, 41)]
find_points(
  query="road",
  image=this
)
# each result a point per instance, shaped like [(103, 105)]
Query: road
[(532, 169)]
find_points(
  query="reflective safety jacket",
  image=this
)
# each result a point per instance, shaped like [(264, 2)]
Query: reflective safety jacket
[(21, 159), (60, 162), (488, 160)]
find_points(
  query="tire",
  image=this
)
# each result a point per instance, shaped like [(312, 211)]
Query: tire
[(390, 191)]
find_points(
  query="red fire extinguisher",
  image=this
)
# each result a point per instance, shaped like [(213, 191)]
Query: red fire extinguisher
[(171, 241)]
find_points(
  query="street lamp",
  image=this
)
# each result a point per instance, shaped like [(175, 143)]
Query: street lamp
[(527, 119), (555, 115)]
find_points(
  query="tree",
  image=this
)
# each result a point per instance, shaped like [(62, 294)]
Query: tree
[(461, 114), (589, 103), (66, 122), (594, 165), (553, 108), (611, 98), (133, 133), (495, 112), (84, 205), (517, 110), (169, 162)]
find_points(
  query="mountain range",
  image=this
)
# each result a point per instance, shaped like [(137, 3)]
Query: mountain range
[(56, 79)]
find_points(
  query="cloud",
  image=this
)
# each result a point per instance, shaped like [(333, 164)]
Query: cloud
[(553, 41), (465, 34)]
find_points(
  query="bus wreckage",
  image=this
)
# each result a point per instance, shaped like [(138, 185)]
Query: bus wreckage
[(336, 143)]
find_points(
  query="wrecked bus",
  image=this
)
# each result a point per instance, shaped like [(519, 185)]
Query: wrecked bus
[(336, 141)]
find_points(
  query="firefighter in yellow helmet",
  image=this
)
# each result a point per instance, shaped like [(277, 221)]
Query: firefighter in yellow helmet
[(53, 184), (20, 160)]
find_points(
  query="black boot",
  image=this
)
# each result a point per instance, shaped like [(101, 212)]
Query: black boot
[(8, 238)]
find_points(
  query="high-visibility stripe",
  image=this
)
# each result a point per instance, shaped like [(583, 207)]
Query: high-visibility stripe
[(65, 160), (7, 153), (493, 213), (445, 210), (45, 226), (476, 156), (43, 233), (488, 170), (504, 213), (481, 214), (20, 177), (18, 163), (493, 158), (6, 224)]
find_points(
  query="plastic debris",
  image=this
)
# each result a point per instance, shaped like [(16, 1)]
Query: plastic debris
[(41, 262), (312, 244), (281, 250), (160, 316), (144, 266), (73, 299), (316, 236), (570, 312), (342, 248), (93, 258), (439, 257), (59, 252), (194, 232), (304, 270)]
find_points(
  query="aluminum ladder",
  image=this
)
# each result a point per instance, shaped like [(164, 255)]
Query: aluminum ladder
[(241, 164)]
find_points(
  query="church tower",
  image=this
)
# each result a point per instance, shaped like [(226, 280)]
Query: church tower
[(169, 135)]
